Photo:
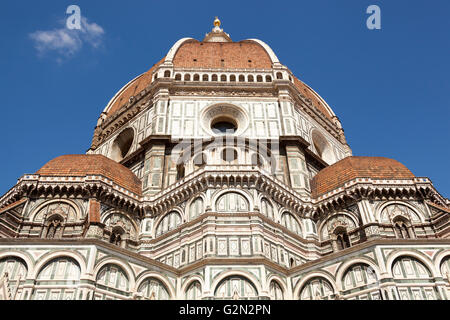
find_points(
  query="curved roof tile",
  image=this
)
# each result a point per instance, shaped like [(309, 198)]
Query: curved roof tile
[(351, 168), (83, 165)]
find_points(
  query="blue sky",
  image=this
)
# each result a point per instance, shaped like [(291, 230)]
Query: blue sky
[(389, 87)]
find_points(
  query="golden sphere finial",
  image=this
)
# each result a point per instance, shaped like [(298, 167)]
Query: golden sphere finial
[(217, 22)]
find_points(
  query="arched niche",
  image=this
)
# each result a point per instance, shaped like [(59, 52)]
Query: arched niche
[(322, 147), (291, 223), (112, 278), (15, 267), (341, 220), (445, 268), (236, 288), (218, 118), (393, 211), (232, 202), (406, 267), (153, 289), (168, 223), (58, 272), (122, 145), (60, 269), (317, 288), (196, 208), (267, 209), (194, 291), (412, 274), (359, 276), (117, 221), (275, 291), (67, 210)]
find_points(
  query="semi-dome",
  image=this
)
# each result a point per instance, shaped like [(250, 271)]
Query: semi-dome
[(83, 165), (351, 168)]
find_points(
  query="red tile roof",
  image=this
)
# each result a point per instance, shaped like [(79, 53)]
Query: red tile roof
[(351, 168), (214, 55), (83, 165), (218, 55), (227, 55), (135, 87), (308, 93)]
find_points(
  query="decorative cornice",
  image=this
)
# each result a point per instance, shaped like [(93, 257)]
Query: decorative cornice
[(221, 176)]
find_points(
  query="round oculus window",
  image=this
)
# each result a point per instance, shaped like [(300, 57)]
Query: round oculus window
[(223, 127)]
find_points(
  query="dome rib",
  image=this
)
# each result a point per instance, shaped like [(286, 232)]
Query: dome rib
[(222, 55), (131, 89)]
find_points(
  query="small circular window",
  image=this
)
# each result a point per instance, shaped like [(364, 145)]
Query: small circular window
[(221, 120), (224, 126)]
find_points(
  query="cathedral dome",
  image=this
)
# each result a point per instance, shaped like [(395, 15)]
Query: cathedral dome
[(351, 168), (84, 165), (216, 52)]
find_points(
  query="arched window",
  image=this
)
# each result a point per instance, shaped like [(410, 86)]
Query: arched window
[(251, 78), (196, 208), (205, 77), (196, 77), (54, 227), (288, 221), (241, 78), (187, 77), (170, 222), (232, 78), (259, 79), (232, 202), (268, 79), (167, 74), (279, 76), (153, 289), (121, 228), (342, 239), (214, 77), (401, 228), (223, 78), (178, 77), (56, 209), (116, 236)]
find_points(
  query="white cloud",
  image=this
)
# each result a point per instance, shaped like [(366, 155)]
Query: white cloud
[(68, 42)]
